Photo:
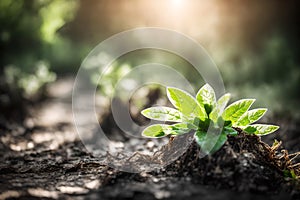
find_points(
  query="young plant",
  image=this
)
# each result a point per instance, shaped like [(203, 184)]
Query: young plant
[(211, 120)]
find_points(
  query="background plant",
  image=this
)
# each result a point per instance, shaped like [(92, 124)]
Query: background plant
[(257, 57), (28, 84), (211, 120)]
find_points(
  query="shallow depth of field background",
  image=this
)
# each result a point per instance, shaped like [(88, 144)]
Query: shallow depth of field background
[(255, 44)]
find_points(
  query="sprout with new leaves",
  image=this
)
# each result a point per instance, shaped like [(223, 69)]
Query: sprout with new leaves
[(211, 120)]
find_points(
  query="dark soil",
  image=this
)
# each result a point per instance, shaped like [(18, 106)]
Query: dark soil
[(244, 168), (45, 159)]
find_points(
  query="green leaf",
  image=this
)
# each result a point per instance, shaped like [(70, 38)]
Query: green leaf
[(289, 174), (250, 117), (221, 123), (206, 98), (230, 131), (161, 130), (185, 103), (196, 122), (162, 114), (234, 111), (210, 142), (249, 129), (156, 130), (204, 125), (201, 125), (260, 129), (218, 110), (180, 128)]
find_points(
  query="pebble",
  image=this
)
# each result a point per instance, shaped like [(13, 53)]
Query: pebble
[(150, 144)]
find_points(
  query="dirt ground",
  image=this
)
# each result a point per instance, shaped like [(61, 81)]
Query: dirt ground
[(42, 157)]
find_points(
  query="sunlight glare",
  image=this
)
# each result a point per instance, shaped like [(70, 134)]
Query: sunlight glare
[(177, 3)]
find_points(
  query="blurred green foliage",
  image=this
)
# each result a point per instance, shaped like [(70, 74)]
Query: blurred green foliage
[(255, 44), (31, 43), (29, 32), (29, 84), (110, 77), (272, 73)]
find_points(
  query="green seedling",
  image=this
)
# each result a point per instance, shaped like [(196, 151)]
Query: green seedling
[(289, 174), (211, 120)]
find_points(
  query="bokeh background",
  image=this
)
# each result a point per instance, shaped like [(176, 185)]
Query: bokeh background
[(255, 44)]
